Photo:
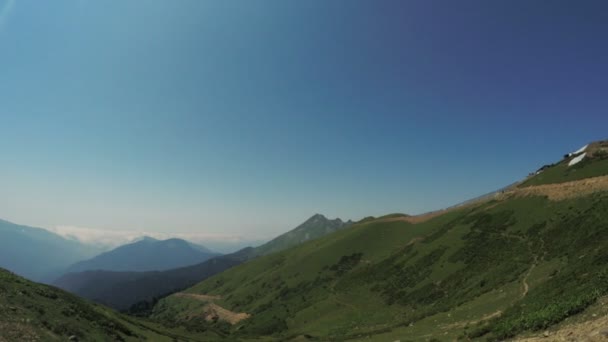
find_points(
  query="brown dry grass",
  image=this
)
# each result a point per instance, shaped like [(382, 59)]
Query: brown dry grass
[(561, 191), (600, 146), (554, 192), (417, 218)]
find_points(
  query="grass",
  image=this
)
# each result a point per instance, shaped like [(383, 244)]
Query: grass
[(460, 275), (378, 277), (561, 172), (31, 311), (488, 272), (449, 326), (579, 238)]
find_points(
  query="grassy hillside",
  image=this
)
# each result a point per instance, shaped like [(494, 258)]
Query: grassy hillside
[(595, 163), (35, 312), (313, 228), (138, 291), (488, 271)]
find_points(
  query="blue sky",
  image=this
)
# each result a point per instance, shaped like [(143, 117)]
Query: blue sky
[(243, 118)]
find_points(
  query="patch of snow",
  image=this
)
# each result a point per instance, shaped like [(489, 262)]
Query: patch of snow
[(580, 150), (577, 160)]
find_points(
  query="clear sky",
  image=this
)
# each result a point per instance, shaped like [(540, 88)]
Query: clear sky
[(243, 118)]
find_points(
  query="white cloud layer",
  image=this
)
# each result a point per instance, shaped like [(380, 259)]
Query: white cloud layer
[(109, 239)]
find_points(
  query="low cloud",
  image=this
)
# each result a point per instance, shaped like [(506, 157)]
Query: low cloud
[(109, 239)]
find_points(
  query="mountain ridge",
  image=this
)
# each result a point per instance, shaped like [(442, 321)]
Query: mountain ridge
[(316, 226), (47, 255), (141, 289), (147, 254)]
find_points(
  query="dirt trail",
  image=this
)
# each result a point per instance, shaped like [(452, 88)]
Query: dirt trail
[(525, 281), (462, 324), (535, 261), (213, 312), (198, 296), (538, 257)]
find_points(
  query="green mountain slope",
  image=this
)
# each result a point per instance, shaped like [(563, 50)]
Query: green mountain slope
[(594, 163), (489, 270), (315, 227), (122, 290), (35, 312)]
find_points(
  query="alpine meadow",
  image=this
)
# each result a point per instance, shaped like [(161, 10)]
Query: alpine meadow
[(292, 171)]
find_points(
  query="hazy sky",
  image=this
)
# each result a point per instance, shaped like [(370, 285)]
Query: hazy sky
[(243, 118)]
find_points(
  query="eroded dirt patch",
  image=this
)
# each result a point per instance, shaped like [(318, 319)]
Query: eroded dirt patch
[(212, 312)]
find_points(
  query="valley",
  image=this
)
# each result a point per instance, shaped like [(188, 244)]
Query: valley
[(303, 171)]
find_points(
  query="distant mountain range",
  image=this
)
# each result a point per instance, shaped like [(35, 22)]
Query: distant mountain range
[(147, 254), (38, 254), (121, 290)]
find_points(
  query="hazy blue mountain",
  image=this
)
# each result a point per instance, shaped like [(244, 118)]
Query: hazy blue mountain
[(38, 254), (122, 290), (147, 254)]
